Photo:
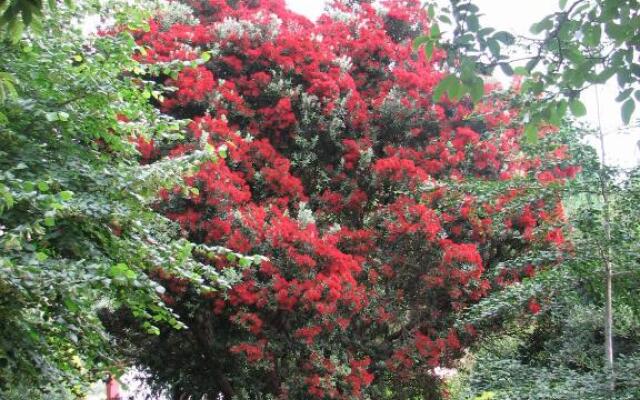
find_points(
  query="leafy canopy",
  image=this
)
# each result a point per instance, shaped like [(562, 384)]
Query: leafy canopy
[(384, 212)]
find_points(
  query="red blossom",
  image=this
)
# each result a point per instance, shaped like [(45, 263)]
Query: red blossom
[(344, 172)]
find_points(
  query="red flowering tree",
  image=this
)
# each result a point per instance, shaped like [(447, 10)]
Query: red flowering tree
[(384, 213)]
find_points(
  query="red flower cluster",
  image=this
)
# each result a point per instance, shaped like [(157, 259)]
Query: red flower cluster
[(375, 205)]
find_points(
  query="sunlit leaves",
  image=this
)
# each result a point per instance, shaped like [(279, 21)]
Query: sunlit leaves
[(7, 87)]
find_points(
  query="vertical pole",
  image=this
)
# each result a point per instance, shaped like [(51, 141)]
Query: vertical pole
[(606, 254)]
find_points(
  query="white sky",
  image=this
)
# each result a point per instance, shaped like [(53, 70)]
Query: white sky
[(516, 17)]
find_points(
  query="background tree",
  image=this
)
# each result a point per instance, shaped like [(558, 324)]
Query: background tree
[(558, 354), (383, 213), (584, 43)]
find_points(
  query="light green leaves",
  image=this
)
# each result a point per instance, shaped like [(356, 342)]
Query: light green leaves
[(577, 108), (122, 273), (7, 87), (455, 88), (43, 186), (428, 41), (66, 195), (449, 85), (54, 116)]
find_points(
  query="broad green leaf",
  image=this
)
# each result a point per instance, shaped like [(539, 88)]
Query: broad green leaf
[(504, 37), (443, 86), (434, 32), (66, 195), (431, 11), (577, 108), (43, 186), (428, 50), (473, 23), (420, 40), (494, 47), (51, 116), (522, 71), (455, 91), (627, 110), (624, 94), (592, 35), (506, 68), (444, 19), (477, 90)]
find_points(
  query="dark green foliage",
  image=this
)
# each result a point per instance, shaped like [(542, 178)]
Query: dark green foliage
[(560, 353), (77, 230), (584, 43)]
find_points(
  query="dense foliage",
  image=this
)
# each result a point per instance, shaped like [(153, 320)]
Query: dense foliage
[(383, 214), (76, 229), (560, 354)]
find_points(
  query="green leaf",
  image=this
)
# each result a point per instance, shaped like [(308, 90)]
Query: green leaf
[(592, 35), (443, 86), (522, 71), (627, 110), (531, 134), (577, 108), (477, 90), (562, 4), (431, 11), (428, 50), (49, 221), (434, 32), (624, 94), (506, 68), (543, 25), (444, 19), (473, 23), (43, 186), (420, 40), (455, 90), (505, 37), (66, 195), (494, 47)]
